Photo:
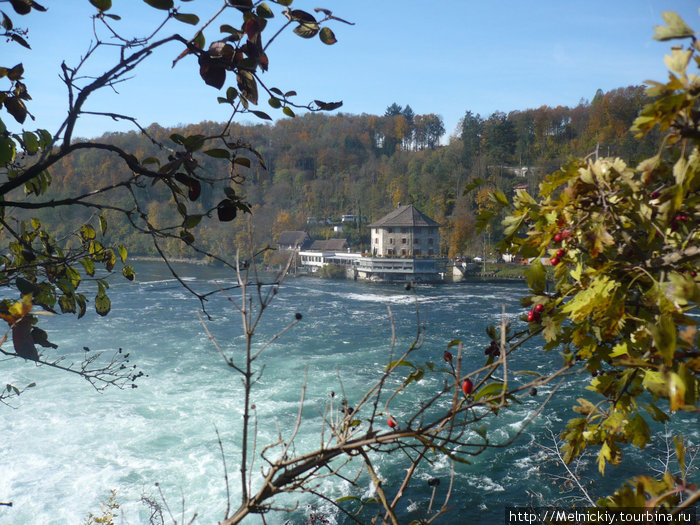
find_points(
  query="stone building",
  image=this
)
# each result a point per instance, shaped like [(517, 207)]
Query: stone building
[(405, 232)]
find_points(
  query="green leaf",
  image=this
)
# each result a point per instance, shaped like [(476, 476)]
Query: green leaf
[(110, 259), (348, 498), (664, 334), (261, 114), (536, 276), (6, 22), (31, 142), (21, 41), (327, 106), (307, 30), (499, 198), (264, 11), (242, 161), (399, 363), (288, 111), (199, 40), (656, 413), (102, 303), (416, 376), (191, 221), (247, 86), (102, 5), (150, 160), (187, 18), (25, 287), (122, 253), (128, 272), (8, 150), (177, 139), (235, 33), (327, 36), (16, 108), (165, 5), (186, 236), (218, 153), (489, 391), (103, 224), (87, 232), (89, 266), (67, 303), (231, 94)]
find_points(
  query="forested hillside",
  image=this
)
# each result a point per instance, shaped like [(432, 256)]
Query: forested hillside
[(322, 166)]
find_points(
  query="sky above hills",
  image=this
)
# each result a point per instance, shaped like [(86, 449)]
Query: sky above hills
[(438, 57)]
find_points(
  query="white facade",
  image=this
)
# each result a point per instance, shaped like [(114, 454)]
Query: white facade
[(405, 241)]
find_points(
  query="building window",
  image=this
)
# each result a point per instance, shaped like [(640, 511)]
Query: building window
[(376, 240), (391, 241), (430, 251), (416, 252), (403, 252), (403, 240), (390, 230), (430, 241), (404, 230)]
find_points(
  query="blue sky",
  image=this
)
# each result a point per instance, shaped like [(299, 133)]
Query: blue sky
[(439, 57)]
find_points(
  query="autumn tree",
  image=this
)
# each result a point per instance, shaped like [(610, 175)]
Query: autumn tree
[(624, 244), (46, 275)]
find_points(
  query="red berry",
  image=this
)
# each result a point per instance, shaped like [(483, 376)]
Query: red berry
[(539, 307), (530, 316), (447, 356), (467, 386), (560, 253), (391, 422), (558, 237), (565, 234), (554, 261)]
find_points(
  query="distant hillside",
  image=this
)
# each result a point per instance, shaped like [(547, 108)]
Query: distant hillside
[(324, 166)]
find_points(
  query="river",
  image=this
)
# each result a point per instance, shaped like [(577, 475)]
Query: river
[(65, 446)]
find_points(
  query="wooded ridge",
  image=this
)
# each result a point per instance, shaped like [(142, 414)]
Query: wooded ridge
[(321, 166)]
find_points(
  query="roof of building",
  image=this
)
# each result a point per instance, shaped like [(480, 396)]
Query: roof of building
[(329, 245), (407, 215), (293, 238)]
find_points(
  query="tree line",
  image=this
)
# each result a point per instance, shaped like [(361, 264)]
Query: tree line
[(322, 166)]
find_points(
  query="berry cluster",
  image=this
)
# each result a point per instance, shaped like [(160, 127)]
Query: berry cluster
[(558, 238), (535, 313)]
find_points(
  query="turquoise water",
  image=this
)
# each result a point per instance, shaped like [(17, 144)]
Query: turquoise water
[(65, 446)]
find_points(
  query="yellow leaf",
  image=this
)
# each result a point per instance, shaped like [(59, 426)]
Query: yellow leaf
[(678, 60), (619, 349), (676, 391), (21, 308), (605, 453)]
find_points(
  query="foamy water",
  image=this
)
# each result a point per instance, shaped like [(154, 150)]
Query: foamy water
[(66, 446)]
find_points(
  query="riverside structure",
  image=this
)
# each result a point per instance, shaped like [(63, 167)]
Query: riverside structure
[(404, 245)]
